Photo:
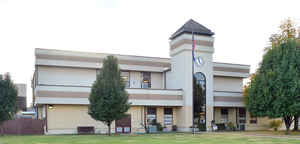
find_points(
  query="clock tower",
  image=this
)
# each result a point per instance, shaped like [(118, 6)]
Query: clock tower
[(198, 93)]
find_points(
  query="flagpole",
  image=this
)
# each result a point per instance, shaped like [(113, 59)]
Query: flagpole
[(193, 82)]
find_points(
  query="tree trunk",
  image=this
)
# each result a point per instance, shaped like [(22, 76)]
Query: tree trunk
[(288, 121), (296, 123), (109, 128), (1, 131)]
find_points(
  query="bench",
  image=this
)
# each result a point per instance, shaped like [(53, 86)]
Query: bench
[(85, 130)]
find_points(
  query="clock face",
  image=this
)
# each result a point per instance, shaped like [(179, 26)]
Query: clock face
[(199, 61)]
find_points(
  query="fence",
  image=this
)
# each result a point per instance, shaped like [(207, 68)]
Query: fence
[(22, 126)]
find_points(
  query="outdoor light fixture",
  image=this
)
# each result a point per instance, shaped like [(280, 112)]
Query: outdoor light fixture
[(50, 106)]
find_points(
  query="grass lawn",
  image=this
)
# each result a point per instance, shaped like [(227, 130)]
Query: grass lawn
[(178, 138)]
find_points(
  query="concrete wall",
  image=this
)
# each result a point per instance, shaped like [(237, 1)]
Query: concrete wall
[(262, 122), (86, 77), (234, 84), (157, 80), (64, 119), (66, 76)]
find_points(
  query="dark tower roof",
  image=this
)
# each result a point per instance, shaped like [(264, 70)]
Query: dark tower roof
[(192, 26)]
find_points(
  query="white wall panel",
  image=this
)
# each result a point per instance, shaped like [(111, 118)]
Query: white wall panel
[(66, 76), (228, 84), (156, 80)]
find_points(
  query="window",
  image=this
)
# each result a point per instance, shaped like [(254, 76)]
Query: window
[(151, 115), (168, 116), (146, 80), (126, 79), (253, 120), (199, 95), (224, 115), (242, 115)]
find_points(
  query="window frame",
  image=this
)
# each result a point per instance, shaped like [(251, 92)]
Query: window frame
[(152, 114), (242, 116), (168, 115), (127, 83), (224, 114), (143, 79)]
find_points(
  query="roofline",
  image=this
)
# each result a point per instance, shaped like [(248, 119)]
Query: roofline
[(197, 33), (166, 60), (102, 53), (231, 64)]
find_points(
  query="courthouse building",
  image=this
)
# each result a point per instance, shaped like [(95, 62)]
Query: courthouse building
[(159, 89)]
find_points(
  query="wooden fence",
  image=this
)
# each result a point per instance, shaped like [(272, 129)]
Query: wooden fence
[(22, 126)]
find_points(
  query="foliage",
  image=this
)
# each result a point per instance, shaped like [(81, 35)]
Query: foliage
[(274, 91), (159, 127), (231, 126), (287, 31), (157, 124), (202, 127), (246, 88), (108, 98), (275, 124), (8, 98), (174, 127)]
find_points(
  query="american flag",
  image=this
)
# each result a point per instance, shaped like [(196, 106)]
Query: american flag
[(194, 46)]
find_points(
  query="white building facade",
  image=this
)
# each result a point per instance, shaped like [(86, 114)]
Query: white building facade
[(160, 89)]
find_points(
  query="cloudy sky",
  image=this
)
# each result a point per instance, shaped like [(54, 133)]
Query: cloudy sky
[(135, 27)]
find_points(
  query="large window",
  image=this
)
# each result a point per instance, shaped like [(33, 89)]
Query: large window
[(168, 116), (242, 115), (199, 98), (126, 78), (146, 80), (224, 115), (151, 115)]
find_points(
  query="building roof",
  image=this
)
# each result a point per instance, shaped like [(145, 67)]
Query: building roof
[(192, 26)]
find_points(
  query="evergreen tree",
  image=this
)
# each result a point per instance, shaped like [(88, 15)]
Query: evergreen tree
[(8, 98), (108, 98), (275, 89)]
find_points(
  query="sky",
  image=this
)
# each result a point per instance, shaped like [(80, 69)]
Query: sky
[(134, 27)]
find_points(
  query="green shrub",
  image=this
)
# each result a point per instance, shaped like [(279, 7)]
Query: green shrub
[(159, 127), (275, 124), (202, 127), (231, 126), (174, 127)]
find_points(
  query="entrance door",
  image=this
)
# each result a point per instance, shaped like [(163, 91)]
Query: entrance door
[(124, 125)]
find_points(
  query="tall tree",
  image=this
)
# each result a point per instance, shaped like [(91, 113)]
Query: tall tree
[(275, 89), (8, 98), (288, 30), (108, 98)]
